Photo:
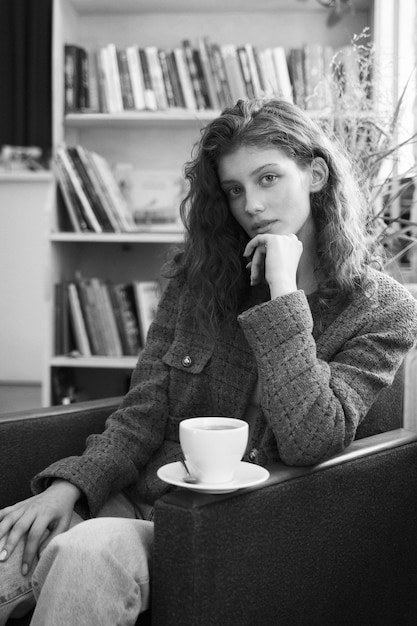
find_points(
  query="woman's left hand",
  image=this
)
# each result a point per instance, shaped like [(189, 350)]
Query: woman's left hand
[(277, 257)]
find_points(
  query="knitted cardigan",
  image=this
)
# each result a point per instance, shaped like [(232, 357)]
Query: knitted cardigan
[(319, 373)]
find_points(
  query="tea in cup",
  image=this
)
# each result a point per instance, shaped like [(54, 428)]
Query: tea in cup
[(213, 447)]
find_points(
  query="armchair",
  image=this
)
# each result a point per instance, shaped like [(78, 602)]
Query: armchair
[(333, 544)]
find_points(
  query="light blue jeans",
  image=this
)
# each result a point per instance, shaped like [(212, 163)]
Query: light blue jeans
[(95, 574)]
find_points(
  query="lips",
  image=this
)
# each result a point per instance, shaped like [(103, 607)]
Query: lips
[(263, 227)]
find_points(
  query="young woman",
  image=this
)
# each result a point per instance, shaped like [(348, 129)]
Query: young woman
[(276, 313)]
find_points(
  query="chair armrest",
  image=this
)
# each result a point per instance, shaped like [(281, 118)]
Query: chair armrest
[(331, 544), (31, 440)]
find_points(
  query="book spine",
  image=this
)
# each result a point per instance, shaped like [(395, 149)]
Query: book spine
[(93, 83), (150, 97), (99, 189), (114, 79), (78, 322), (314, 76), (81, 166), (253, 70), (156, 76), (175, 80), (83, 74), (77, 220), (147, 295), (184, 78), (71, 79), (225, 94), (212, 92), (136, 77), (112, 189), (296, 68), (125, 82), (169, 90), (245, 70), (193, 73), (88, 212), (233, 72), (282, 73)]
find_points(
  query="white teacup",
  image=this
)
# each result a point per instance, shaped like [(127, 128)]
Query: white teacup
[(213, 446)]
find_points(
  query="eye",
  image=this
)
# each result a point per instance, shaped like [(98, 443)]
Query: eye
[(233, 192), (268, 179)]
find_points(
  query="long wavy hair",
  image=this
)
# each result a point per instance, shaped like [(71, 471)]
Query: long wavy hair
[(212, 261)]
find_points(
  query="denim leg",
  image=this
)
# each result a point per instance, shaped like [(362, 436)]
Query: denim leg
[(96, 574), (16, 594)]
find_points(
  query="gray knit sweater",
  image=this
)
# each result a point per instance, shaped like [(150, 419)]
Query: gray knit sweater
[(319, 372)]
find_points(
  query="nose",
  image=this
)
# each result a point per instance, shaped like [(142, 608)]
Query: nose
[(253, 202)]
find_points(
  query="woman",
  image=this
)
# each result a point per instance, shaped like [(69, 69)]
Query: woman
[(275, 313)]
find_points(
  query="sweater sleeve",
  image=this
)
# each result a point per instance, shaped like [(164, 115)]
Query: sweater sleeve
[(113, 459), (313, 406)]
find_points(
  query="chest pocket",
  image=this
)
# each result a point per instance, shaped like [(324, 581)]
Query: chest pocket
[(187, 357)]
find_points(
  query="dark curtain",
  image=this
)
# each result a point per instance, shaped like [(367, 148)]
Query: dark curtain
[(25, 73)]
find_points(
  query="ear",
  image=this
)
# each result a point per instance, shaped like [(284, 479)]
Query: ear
[(319, 174)]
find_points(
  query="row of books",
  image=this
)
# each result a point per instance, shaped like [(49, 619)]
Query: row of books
[(94, 317), (202, 76), (90, 192)]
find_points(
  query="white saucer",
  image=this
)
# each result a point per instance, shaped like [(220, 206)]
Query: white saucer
[(247, 475)]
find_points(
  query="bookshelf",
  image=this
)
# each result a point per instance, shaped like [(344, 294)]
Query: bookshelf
[(158, 140)]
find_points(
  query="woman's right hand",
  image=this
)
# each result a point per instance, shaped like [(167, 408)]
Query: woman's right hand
[(37, 521)]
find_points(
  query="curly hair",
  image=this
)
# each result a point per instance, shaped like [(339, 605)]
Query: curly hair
[(212, 261)]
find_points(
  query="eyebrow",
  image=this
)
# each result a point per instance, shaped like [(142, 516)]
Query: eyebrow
[(255, 171)]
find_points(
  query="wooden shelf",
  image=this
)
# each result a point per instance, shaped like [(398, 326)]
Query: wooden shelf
[(133, 118), (94, 362), (198, 6), (26, 177), (140, 237)]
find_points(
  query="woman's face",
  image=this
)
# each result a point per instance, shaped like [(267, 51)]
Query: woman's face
[(267, 192)]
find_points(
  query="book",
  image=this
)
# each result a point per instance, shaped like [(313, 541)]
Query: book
[(125, 81), (147, 295), (113, 77), (219, 74), (314, 76), (77, 321), (136, 77), (102, 82), (245, 70), (81, 166), (100, 190), (268, 72), (90, 310), (93, 83), (70, 198), (282, 73), (113, 193), (203, 59), (71, 78), (233, 72), (150, 96), (156, 77), (166, 74), (175, 80), (64, 339), (122, 297), (193, 73), (83, 79), (184, 79), (296, 69), (253, 69), (87, 211)]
